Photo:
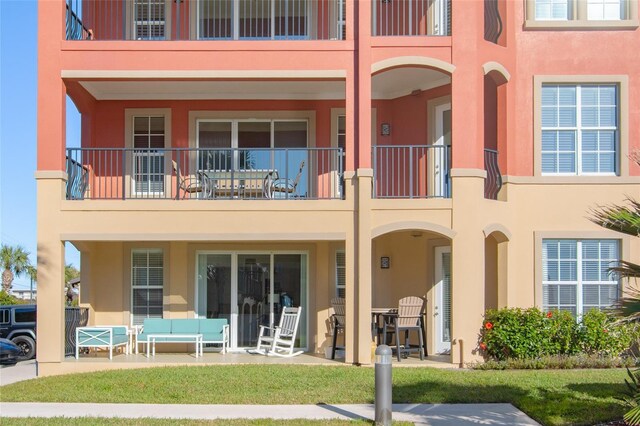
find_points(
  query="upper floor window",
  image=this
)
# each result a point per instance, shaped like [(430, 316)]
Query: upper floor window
[(582, 14), (575, 274), (552, 9), (605, 10), (149, 19), (579, 129), (149, 155)]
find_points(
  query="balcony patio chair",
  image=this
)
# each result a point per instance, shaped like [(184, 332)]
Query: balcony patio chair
[(280, 340), (337, 303), (408, 318), (283, 186), (192, 184)]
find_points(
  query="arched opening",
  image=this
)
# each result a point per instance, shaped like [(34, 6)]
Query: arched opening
[(495, 127), (411, 127), (415, 261), (495, 270)]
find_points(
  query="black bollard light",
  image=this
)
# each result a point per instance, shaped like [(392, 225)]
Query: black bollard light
[(383, 386)]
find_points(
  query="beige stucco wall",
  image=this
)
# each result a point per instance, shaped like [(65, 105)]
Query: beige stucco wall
[(107, 287), (504, 234)]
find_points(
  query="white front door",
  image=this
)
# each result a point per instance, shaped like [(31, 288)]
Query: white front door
[(442, 307), (442, 164)]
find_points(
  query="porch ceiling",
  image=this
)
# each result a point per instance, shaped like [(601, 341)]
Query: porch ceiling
[(398, 82), (215, 89)]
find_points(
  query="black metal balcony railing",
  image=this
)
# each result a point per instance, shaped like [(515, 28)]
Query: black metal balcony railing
[(492, 21), (493, 182), (205, 20), (411, 171), (75, 28), (411, 17), (204, 174), (77, 180)]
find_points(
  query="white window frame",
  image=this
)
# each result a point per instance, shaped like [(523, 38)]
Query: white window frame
[(160, 155), (148, 251), (579, 282), (129, 116), (578, 17), (579, 129)]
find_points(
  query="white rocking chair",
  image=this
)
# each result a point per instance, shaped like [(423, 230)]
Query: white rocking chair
[(282, 340)]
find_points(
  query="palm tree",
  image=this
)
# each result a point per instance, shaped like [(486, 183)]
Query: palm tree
[(625, 218), (15, 261), (33, 276)]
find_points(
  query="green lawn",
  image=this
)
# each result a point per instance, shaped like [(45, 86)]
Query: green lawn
[(552, 397)]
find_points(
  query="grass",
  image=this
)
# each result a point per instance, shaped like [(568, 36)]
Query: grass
[(557, 397)]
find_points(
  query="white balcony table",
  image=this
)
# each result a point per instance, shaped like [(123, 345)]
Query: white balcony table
[(174, 338)]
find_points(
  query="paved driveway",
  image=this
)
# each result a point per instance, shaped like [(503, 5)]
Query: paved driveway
[(24, 370)]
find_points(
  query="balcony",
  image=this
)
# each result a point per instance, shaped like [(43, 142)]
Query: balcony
[(411, 18), (205, 20), (411, 171), (204, 174)]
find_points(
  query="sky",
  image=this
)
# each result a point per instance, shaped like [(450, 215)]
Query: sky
[(18, 90)]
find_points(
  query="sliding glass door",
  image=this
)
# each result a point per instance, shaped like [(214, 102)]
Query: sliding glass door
[(250, 289)]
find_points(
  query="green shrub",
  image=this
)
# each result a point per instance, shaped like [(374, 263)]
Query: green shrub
[(599, 334), (520, 334), (7, 299)]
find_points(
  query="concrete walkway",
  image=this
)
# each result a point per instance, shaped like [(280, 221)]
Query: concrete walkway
[(24, 370), (420, 414)]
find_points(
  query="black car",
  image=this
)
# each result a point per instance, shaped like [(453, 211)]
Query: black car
[(10, 353), (18, 324)]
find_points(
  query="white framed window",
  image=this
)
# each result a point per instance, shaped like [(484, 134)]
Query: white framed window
[(147, 282), (550, 10), (579, 129), (575, 274), (605, 10), (149, 19), (148, 155), (341, 274)]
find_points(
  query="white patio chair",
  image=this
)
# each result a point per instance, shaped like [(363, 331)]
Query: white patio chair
[(282, 338), (281, 187)]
